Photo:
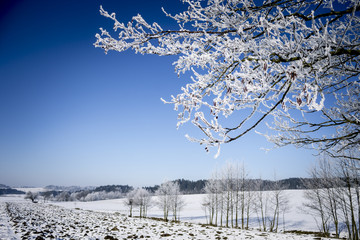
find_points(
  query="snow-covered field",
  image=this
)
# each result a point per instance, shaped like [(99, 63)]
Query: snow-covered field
[(20, 219), (295, 218)]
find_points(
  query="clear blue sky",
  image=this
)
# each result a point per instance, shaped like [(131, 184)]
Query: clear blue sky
[(71, 115)]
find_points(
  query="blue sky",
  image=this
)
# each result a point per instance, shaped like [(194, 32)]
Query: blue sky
[(71, 115)]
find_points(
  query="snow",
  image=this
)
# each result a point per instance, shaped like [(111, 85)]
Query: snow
[(31, 189), (96, 220), (6, 231), (296, 217)]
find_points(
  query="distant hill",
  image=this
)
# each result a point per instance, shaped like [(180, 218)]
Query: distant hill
[(7, 190), (197, 187), (114, 188), (68, 189), (186, 187), (152, 189), (191, 187), (2, 186), (293, 183)]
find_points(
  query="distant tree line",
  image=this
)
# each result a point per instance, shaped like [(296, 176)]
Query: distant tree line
[(114, 188), (88, 194), (10, 191), (186, 187), (198, 187), (67, 188), (191, 187), (152, 189)]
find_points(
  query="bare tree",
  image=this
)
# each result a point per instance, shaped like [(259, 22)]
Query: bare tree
[(228, 184), (129, 201), (245, 196), (249, 202), (284, 207), (164, 198), (278, 202), (316, 200), (210, 201), (169, 199), (64, 196), (32, 196), (47, 195), (349, 196), (331, 185), (229, 197), (333, 195), (260, 204), (142, 200), (270, 202)]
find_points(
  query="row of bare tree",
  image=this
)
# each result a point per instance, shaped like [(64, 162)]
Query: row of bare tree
[(334, 198), (231, 200), (168, 199)]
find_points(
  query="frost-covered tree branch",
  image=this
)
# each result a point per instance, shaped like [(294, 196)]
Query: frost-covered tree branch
[(258, 59), (341, 122)]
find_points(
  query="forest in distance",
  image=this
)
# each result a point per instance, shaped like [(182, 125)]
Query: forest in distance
[(186, 187)]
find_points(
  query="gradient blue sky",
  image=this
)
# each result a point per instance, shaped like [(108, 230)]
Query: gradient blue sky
[(71, 115)]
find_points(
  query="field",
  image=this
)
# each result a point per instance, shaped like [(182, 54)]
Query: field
[(20, 219)]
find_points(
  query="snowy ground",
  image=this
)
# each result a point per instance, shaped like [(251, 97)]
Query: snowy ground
[(295, 218), (20, 219)]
